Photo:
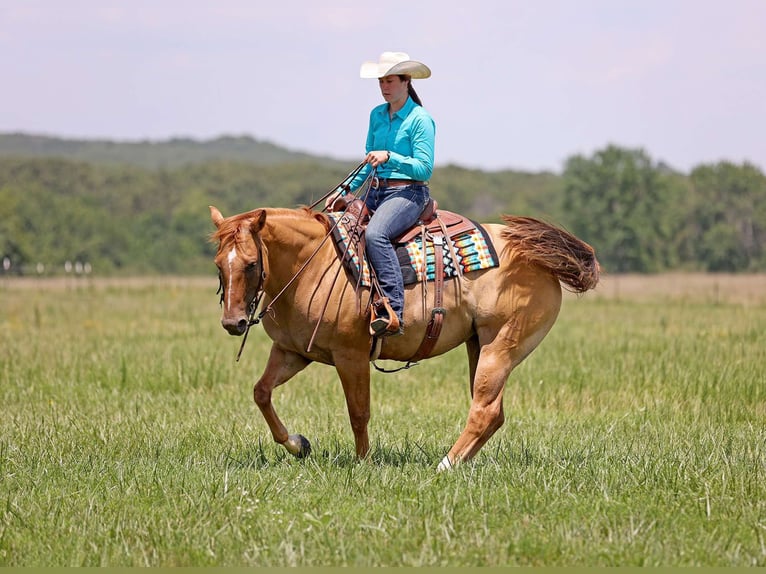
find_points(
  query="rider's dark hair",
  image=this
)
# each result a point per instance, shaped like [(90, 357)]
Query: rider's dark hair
[(410, 90)]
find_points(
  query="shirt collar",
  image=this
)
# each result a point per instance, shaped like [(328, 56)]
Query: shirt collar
[(406, 108)]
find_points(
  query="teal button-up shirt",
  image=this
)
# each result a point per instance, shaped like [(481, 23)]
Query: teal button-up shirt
[(409, 137)]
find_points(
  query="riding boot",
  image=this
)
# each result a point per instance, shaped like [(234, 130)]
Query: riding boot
[(384, 322)]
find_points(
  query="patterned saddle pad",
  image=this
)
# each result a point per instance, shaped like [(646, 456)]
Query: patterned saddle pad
[(473, 248)]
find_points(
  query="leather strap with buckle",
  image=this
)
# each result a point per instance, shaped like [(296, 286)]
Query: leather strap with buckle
[(434, 327)]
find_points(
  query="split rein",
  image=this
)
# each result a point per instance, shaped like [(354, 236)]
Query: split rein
[(252, 319)]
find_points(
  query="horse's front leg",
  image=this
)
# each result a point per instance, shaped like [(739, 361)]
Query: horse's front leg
[(281, 366)]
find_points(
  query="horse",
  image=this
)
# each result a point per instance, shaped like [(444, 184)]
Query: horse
[(501, 314)]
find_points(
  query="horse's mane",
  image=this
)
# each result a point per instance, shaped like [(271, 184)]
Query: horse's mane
[(319, 216), (231, 225), (304, 212)]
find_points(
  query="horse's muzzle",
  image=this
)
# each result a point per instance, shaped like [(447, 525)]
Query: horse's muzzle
[(236, 326)]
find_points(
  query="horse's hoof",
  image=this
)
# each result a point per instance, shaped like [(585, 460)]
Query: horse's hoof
[(298, 445), (445, 464)]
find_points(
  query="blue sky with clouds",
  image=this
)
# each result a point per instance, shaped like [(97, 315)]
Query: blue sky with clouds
[(516, 84)]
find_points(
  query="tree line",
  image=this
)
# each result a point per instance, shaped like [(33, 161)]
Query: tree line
[(643, 217), (122, 218)]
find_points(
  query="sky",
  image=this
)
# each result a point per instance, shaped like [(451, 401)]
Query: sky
[(516, 84)]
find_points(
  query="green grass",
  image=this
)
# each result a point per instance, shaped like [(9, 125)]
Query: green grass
[(634, 435)]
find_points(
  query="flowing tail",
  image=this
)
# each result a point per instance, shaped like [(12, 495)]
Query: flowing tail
[(569, 259)]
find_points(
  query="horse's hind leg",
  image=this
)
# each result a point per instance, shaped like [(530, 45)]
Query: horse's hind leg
[(473, 347), (496, 360), (281, 366), (486, 413)]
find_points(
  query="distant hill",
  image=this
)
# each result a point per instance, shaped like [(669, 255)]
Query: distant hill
[(172, 153), (142, 207)]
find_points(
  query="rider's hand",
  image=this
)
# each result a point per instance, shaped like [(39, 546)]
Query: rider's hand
[(377, 158)]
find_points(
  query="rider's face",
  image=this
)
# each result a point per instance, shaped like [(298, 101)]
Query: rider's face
[(394, 89)]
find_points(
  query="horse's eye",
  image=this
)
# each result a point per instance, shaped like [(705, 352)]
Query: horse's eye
[(250, 266)]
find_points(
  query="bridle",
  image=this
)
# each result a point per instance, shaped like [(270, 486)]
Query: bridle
[(252, 307)]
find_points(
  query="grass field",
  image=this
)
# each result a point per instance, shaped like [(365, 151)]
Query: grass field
[(635, 435)]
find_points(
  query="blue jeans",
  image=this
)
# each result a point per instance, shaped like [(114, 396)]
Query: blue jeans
[(396, 209)]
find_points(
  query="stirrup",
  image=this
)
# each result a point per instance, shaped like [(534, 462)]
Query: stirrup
[(385, 327), (384, 321)]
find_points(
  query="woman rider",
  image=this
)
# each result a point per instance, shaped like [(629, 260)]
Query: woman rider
[(400, 146)]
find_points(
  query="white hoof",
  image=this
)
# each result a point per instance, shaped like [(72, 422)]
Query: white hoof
[(445, 464)]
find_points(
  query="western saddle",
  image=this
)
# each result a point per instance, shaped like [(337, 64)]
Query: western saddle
[(435, 225)]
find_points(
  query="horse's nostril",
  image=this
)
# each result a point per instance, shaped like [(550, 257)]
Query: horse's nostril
[(235, 327)]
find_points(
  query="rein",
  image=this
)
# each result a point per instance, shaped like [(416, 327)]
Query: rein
[(343, 184), (310, 258), (252, 319), (433, 328)]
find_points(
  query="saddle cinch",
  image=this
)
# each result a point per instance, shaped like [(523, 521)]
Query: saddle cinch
[(437, 226)]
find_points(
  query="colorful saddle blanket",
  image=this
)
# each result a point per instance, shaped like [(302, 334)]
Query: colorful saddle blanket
[(473, 248)]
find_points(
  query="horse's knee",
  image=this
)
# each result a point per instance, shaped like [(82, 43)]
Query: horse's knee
[(359, 421)]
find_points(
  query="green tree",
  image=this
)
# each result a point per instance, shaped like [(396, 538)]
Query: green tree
[(618, 202), (725, 228)]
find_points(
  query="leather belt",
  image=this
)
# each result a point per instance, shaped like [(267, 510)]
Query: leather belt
[(379, 182)]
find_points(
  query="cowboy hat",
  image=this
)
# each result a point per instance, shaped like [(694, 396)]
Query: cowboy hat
[(394, 63)]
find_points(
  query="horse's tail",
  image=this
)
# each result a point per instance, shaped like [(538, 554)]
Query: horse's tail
[(569, 259)]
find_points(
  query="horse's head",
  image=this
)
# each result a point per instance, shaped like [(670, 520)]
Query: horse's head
[(242, 266)]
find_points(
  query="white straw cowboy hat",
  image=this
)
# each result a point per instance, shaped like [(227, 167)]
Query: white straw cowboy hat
[(394, 63)]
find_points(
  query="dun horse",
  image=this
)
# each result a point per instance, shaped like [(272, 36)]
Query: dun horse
[(501, 314)]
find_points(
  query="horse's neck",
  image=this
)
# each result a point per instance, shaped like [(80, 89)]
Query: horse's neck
[(291, 238)]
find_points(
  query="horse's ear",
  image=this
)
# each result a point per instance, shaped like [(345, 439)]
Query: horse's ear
[(259, 219), (216, 216)]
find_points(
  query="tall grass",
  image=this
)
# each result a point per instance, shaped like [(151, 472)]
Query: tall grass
[(634, 435)]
